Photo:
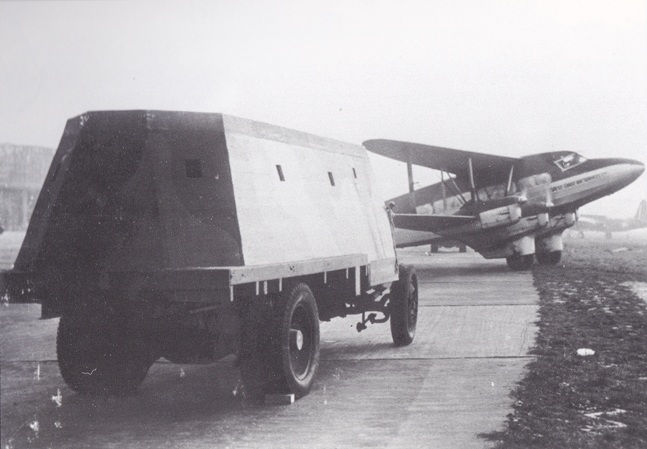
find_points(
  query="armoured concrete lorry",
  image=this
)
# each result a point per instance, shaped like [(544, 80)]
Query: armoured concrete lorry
[(194, 236)]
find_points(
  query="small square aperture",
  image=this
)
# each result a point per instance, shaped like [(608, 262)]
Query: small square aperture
[(193, 168)]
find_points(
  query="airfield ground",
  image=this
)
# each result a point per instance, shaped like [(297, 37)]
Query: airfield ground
[(594, 300), (452, 384), (475, 327)]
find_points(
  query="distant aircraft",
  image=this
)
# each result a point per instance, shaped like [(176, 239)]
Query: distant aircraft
[(608, 225), (502, 207)]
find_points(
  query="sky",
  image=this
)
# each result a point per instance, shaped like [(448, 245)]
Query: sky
[(509, 77)]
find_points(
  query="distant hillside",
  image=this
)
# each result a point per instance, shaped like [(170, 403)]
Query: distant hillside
[(22, 172)]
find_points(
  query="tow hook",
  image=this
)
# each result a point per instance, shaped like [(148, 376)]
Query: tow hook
[(371, 318)]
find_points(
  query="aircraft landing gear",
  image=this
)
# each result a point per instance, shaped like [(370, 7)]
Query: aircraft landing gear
[(520, 263), (549, 258)]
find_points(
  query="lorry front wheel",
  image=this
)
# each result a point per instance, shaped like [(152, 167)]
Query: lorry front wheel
[(295, 341), (404, 306), (97, 357)]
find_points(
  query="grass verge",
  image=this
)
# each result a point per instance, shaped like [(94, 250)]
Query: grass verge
[(568, 400)]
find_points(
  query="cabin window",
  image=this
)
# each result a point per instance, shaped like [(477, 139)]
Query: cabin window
[(193, 168), (279, 170), (332, 179), (354, 173)]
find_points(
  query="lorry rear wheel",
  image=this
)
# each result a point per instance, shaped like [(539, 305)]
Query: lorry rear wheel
[(404, 306), (295, 342), (96, 355), (253, 355)]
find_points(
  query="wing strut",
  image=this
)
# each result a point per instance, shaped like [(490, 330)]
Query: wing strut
[(410, 176), (472, 186), (457, 190), (442, 184), (509, 185)]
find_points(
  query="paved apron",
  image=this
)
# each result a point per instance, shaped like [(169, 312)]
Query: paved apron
[(475, 327)]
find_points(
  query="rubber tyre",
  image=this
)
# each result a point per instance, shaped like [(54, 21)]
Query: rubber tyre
[(404, 306), (254, 357), (520, 263), (96, 356), (270, 360), (295, 342), (550, 258)]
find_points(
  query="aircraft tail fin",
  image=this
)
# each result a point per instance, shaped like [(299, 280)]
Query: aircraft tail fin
[(641, 213)]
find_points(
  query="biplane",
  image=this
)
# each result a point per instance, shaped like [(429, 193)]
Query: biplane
[(502, 207)]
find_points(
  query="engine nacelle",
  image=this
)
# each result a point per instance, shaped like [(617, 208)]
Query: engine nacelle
[(557, 225), (500, 216), (543, 220), (530, 209)]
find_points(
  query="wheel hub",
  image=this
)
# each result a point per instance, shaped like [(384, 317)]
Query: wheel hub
[(296, 337)]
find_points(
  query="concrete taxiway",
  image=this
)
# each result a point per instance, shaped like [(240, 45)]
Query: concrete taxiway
[(476, 324)]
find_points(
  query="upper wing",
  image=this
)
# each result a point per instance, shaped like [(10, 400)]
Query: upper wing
[(430, 223), (488, 169)]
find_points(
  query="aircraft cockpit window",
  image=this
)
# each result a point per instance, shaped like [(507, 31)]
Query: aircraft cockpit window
[(569, 161)]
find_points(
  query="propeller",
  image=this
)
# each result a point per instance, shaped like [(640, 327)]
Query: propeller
[(537, 206)]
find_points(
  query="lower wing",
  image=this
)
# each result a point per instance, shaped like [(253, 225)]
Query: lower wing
[(430, 223)]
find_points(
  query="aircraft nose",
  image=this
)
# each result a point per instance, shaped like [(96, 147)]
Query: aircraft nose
[(634, 169), (624, 171)]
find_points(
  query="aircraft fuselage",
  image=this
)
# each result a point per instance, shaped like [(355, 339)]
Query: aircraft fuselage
[(549, 187)]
